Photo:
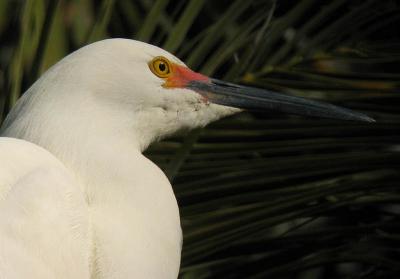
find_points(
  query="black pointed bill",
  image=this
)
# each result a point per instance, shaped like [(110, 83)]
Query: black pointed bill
[(233, 95)]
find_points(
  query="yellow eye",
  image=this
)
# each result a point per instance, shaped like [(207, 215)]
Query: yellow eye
[(160, 66)]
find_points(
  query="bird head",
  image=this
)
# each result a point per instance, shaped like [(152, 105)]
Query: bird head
[(121, 84)]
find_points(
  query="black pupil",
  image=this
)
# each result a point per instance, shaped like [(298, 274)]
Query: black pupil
[(162, 66)]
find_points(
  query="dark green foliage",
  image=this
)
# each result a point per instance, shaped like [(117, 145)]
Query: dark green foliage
[(261, 195)]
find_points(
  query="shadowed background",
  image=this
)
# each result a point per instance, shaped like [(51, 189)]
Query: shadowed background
[(261, 195)]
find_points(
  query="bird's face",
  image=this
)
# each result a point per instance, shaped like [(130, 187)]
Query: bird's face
[(165, 95), (144, 87), (173, 86)]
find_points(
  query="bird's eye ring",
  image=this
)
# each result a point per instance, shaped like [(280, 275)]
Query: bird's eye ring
[(160, 66)]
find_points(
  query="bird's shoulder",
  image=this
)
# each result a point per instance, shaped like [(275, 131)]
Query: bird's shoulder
[(43, 215)]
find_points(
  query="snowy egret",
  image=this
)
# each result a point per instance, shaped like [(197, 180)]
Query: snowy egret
[(78, 198)]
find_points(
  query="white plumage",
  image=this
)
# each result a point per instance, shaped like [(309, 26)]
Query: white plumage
[(43, 216), (96, 110), (87, 203)]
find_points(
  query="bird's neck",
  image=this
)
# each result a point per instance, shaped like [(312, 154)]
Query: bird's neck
[(89, 140), (128, 196)]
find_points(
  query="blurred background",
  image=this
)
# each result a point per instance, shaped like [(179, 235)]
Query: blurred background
[(261, 195)]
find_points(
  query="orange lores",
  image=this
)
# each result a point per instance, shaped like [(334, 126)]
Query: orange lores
[(181, 76)]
